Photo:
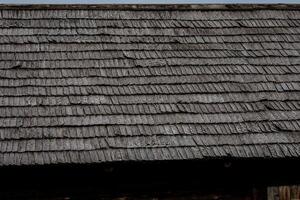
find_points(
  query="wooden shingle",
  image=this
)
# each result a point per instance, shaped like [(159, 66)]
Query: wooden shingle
[(84, 84)]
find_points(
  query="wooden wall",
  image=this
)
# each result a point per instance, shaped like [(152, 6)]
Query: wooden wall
[(284, 192)]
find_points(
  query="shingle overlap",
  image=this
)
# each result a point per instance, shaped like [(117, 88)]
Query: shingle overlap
[(100, 85)]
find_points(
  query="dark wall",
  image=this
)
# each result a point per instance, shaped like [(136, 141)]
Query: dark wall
[(155, 195), (155, 180)]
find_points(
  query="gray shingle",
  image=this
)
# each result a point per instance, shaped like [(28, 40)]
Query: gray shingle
[(91, 86)]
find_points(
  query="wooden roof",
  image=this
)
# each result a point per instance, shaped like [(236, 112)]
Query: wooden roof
[(84, 84)]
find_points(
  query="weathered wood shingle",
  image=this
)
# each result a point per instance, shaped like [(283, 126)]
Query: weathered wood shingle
[(90, 85)]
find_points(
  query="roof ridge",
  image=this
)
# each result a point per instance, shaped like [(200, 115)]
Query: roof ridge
[(153, 6)]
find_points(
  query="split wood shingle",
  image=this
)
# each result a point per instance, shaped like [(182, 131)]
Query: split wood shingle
[(84, 84)]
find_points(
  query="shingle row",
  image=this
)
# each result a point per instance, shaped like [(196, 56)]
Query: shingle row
[(177, 153), (174, 88), (140, 142), (104, 55), (164, 74), (157, 23), (58, 47), (135, 109), (173, 118), (140, 99), (149, 31), (79, 79), (151, 39), (28, 14), (129, 130)]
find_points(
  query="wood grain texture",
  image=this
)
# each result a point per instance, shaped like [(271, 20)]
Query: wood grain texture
[(284, 192)]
